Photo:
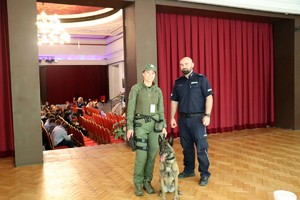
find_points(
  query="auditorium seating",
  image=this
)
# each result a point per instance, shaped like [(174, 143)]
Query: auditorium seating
[(78, 137), (48, 141), (100, 129)]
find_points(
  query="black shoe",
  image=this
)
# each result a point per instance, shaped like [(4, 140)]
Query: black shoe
[(203, 181), (148, 187), (138, 191), (186, 174)]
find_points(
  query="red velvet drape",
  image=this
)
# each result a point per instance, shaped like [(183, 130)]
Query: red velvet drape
[(65, 82), (6, 126), (235, 55)]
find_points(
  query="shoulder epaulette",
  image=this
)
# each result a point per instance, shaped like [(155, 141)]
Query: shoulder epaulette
[(199, 74), (179, 78)]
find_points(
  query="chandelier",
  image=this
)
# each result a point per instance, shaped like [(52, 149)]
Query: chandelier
[(50, 30)]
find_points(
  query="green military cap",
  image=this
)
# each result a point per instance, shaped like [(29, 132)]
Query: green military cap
[(149, 67)]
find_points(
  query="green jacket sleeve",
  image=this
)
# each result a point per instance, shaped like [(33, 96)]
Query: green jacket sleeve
[(161, 107), (131, 106)]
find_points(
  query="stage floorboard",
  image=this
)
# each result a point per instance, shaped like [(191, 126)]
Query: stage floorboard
[(245, 165)]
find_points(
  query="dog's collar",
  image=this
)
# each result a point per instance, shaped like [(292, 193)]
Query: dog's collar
[(170, 158)]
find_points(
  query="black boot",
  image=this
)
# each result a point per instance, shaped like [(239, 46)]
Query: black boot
[(203, 181), (148, 187), (138, 191)]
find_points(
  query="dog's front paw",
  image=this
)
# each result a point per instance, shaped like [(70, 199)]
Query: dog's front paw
[(176, 198), (162, 195)]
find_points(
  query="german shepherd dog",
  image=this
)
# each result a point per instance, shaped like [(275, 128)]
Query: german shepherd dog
[(168, 168)]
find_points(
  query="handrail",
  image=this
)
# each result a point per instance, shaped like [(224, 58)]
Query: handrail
[(118, 96)]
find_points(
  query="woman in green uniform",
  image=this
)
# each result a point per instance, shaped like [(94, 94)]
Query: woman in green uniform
[(144, 110)]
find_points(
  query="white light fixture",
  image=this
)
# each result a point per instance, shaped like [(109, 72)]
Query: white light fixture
[(50, 30)]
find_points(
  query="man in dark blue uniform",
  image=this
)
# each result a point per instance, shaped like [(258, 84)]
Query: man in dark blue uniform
[(193, 94)]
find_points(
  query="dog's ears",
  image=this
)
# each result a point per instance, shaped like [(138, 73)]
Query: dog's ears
[(171, 139), (161, 139)]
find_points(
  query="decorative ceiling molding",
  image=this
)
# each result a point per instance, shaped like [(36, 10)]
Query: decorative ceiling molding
[(64, 9), (95, 3), (105, 18), (109, 26), (72, 19), (86, 21)]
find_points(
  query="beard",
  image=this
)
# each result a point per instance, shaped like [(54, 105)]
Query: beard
[(186, 71)]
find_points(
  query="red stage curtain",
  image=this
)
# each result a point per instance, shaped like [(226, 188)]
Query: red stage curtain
[(237, 58), (65, 82), (6, 126)]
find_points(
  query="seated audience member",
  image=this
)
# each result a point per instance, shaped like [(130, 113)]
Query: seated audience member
[(90, 104), (48, 116), (80, 105), (95, 104), (60, 135), (51, 125), (59, 110), (67, 106), (68, 117), (53, 108), (43, 116), (74, 102), (47, 107)]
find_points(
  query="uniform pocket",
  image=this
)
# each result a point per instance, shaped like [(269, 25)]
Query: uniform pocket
[(194, 84), (158, 126)]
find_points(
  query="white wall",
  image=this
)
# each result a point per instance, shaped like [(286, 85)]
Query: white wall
[(115, 49), (116, 75), (85, 52), (91, 52), (278, 6)]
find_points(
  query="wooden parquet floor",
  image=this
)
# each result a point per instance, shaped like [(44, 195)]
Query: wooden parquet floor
[(245, 165)]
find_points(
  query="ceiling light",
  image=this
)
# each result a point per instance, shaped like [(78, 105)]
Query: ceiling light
[(50, 30)]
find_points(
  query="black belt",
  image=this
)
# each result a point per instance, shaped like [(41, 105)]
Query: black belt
[(190, 115), (147, 118)]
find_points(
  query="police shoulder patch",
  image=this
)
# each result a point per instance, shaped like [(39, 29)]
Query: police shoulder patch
[(181, 77), (177, 79)]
